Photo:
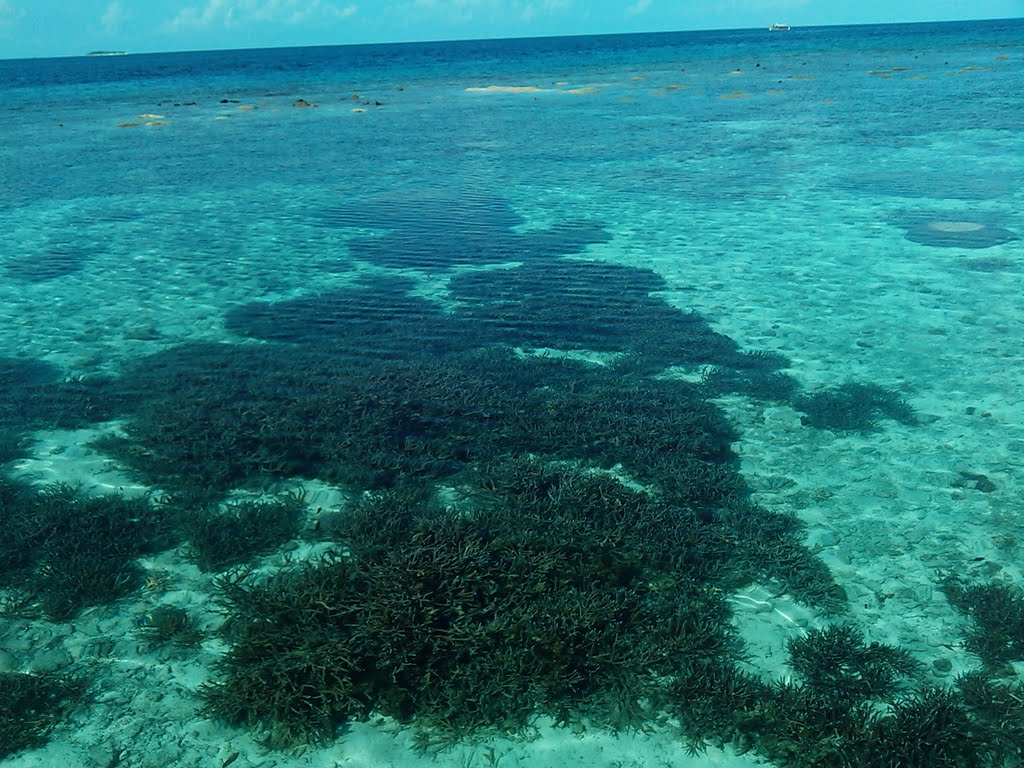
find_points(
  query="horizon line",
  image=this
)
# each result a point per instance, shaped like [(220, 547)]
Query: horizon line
[(118, 53)]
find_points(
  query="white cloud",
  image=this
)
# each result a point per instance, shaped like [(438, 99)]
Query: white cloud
[(113, 17), (234, 13), (194, 16), (9, 13), (463, 11), (759, 5), (530, 10), (638, 7)]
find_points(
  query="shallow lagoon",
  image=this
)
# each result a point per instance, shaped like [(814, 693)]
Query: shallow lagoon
[(566, 361)]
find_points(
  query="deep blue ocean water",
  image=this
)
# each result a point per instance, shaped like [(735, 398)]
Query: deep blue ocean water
[(848, 198)]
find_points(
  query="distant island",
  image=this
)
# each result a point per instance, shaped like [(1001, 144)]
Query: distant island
[(106, 53)]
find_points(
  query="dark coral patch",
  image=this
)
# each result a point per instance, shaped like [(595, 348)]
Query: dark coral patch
[(20, 377), (217, 415), (221, 537), (49, 264), (849, 705), (835, 661), (852, 407), (33, 394), (997, 613), (558, 304), (444, 228), (466, 245), (586, 306), (426, 211), (377, 317), (992, 264), (925, 183), (168, 625)]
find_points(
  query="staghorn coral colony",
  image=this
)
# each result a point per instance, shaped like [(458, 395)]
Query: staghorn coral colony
[(543, 519)]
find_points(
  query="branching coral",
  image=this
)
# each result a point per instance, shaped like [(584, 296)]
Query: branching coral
[(241, 530), (65, 551), (854, 407), (32, 707), (997, 613), (543, 589)]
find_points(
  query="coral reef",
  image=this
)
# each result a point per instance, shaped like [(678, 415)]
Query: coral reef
[(851, 704), (591, 306), (603, 592), (20, 382), (371, 318), (34, 395), (429, 213), (545, 516), (290, 411), (929, 728), (753, 374), (998, 711)]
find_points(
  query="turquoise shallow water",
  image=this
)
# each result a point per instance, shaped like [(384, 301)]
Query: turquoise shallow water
[(785, 269), (715, 144)]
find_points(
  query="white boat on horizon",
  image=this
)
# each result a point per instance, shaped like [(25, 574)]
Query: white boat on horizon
[(779, 28)]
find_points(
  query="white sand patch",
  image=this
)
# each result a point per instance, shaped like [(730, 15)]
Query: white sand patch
[(955, 226), (66, 456)]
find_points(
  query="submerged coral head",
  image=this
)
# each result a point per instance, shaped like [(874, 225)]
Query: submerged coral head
[(957, 233)]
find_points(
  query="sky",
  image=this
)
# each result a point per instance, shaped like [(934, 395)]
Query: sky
[(37, 28)]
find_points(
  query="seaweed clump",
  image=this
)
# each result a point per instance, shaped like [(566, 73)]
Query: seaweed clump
[(854, 407), (33, 705)]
